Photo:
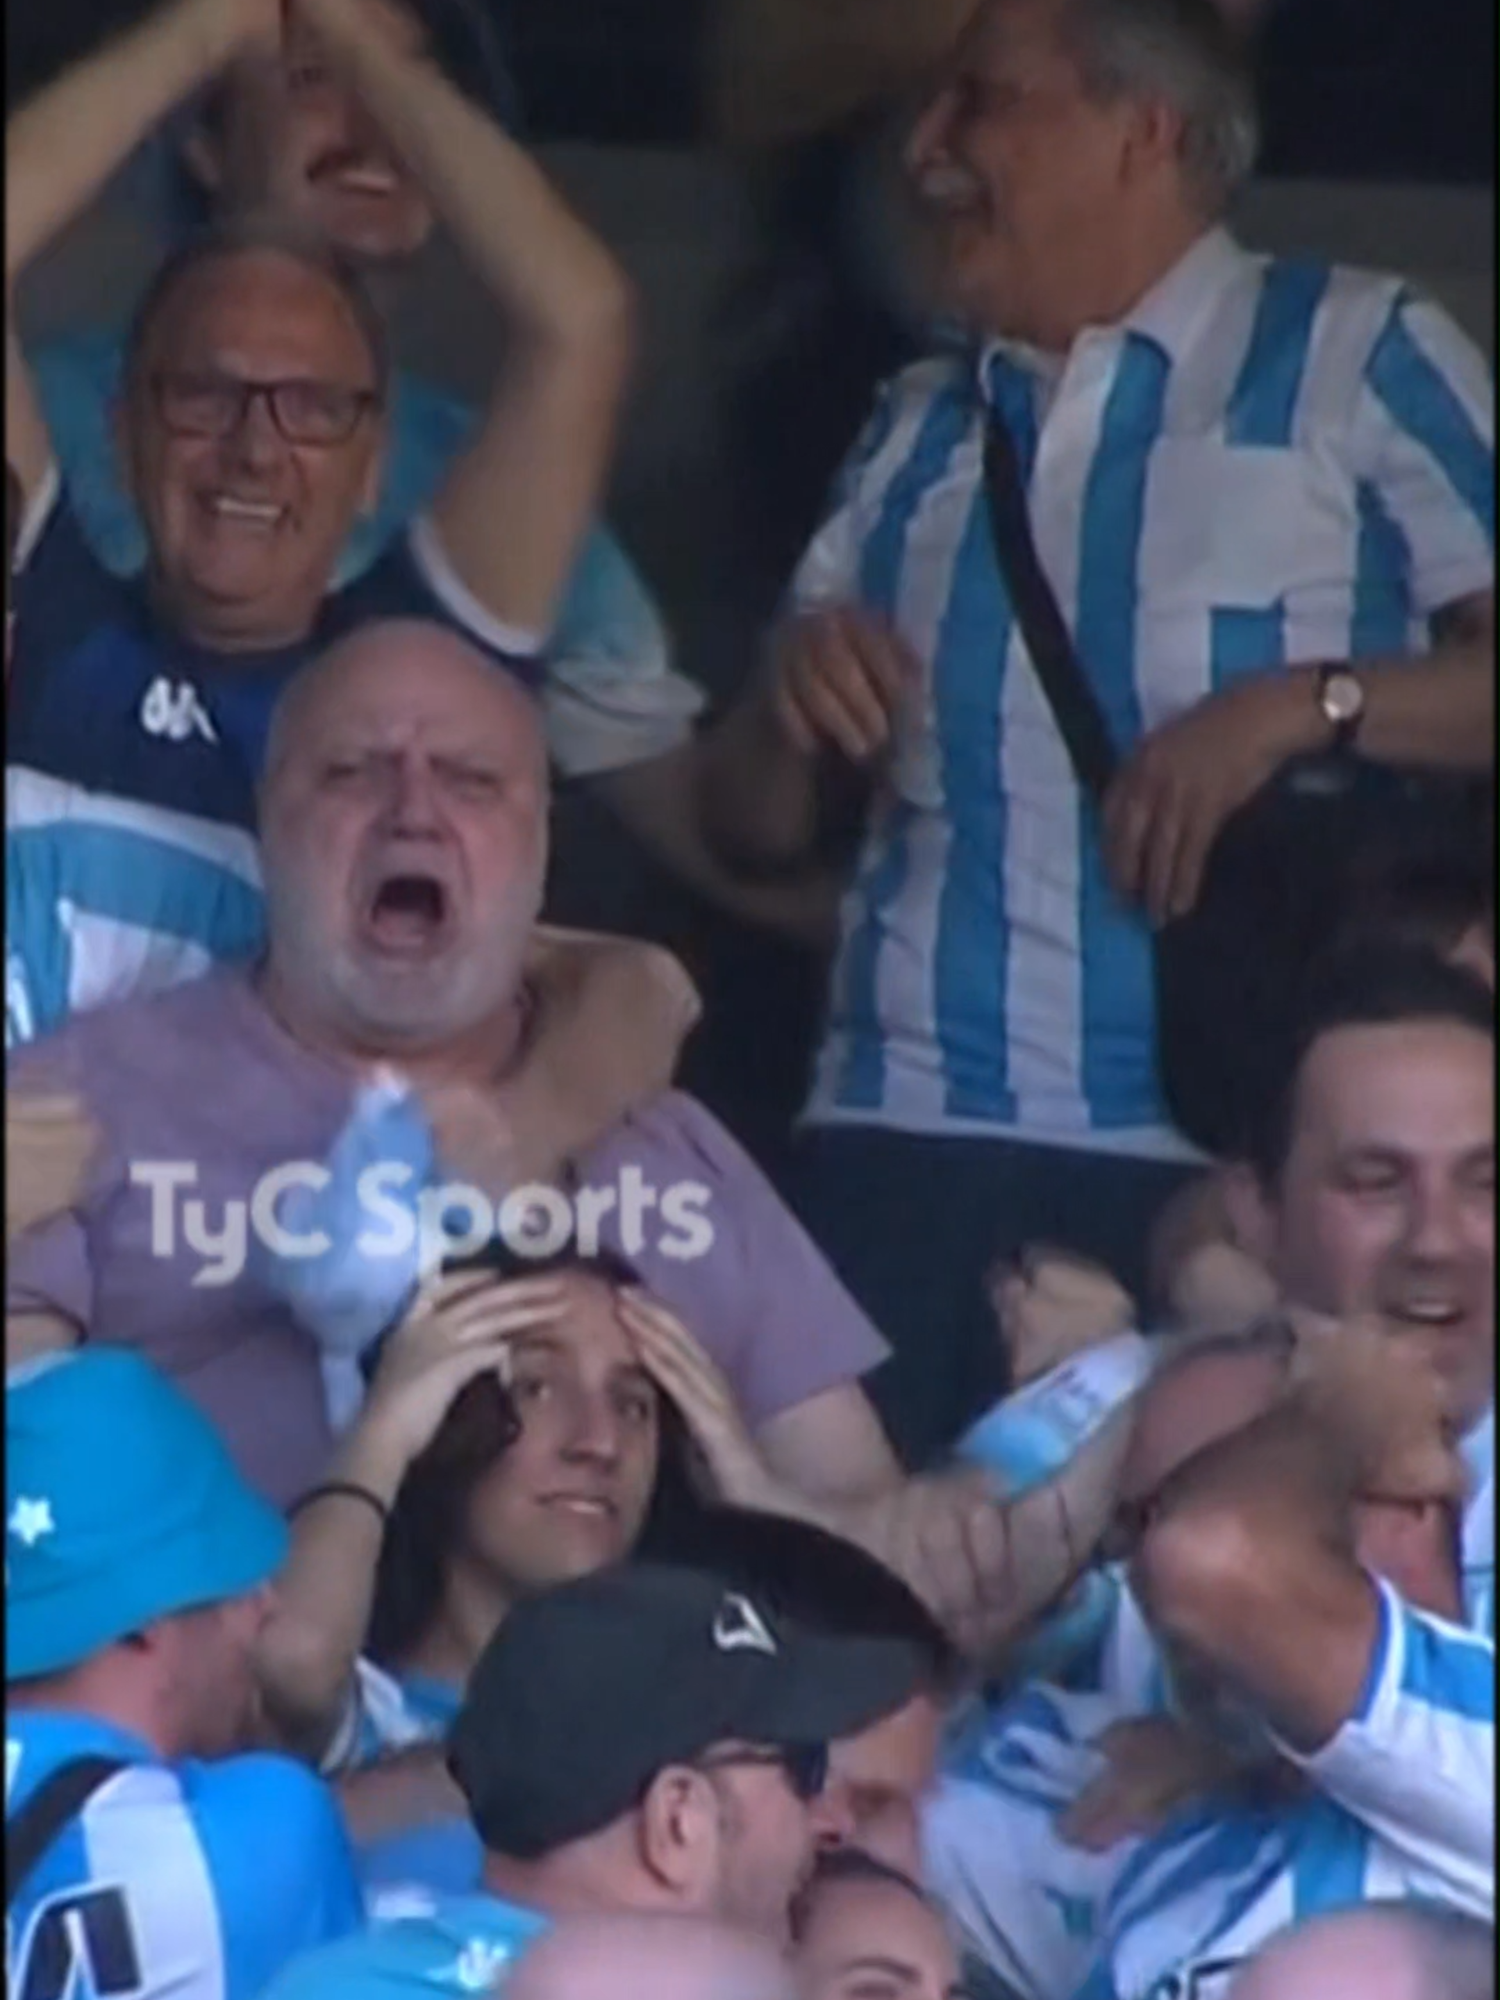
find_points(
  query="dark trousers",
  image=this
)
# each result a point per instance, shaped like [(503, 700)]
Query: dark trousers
[(912, 1224)]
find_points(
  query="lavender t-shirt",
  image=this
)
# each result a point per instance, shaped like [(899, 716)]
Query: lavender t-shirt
[(205, 1079)]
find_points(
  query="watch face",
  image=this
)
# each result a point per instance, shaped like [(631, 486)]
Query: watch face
[(1343, 698)]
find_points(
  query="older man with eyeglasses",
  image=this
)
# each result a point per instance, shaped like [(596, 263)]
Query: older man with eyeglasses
[(253, 415)]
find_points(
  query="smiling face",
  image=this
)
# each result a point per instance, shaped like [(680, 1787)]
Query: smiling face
[(403, 826), (1386, 1202), (1026, 181), (245, 528), (571, 1493), (289, 136), (872, 1940)]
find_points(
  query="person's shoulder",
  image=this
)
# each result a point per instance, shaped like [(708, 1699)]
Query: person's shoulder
[(676, 1125), (262, 1788), (454, 1944), (118, 1038)]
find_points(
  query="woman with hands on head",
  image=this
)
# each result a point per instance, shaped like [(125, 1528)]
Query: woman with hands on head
[(511, 1439)]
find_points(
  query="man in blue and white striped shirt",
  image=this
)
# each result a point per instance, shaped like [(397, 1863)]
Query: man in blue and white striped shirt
[(1243, 474), (1371, 1199)]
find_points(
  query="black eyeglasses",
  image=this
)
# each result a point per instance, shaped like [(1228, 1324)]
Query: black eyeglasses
[(805, 1765), (205, 404)]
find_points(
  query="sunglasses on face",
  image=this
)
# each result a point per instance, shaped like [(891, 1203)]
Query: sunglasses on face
[(805, 1765), (206, 404)]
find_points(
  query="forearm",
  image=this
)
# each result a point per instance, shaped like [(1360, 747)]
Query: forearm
[(1437, 712), (758, 796), (64, 144), (611, 1017), (550, 276), (658, 803), (307, 1651), (1250, 1566)]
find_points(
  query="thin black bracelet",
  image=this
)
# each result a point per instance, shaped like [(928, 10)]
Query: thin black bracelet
[(350, 1491)]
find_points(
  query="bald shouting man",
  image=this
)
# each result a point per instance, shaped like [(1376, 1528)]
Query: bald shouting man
[(404, 830)]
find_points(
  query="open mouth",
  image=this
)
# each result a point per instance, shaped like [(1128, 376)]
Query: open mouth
[(408, 915), (262, 515), (356, 174), (583, 1506)]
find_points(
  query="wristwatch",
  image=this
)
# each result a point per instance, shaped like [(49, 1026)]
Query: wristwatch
[(1341, 703)]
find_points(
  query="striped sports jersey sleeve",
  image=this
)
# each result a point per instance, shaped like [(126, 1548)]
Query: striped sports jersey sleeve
[(1415, 1764), (1426, 425), (195, 1881)]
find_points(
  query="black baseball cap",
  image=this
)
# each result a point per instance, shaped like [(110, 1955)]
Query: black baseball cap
[(588, 1690)]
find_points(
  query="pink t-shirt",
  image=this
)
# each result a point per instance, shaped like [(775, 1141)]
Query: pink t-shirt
[(203, 1078)]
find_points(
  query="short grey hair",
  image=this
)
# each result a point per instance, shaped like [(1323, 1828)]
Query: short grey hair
[(1185, 52)]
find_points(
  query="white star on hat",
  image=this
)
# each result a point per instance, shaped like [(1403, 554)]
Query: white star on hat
[(30, 1520), (478, 1964)]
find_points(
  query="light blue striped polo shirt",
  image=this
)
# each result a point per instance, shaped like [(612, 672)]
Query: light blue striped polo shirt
[(106, 897), (1402, 1807), (1267, 463)]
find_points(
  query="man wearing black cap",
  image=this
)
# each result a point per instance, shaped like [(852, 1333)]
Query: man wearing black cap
[(651, 1737)]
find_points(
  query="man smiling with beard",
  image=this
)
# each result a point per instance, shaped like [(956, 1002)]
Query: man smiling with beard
[(1371, 1203)]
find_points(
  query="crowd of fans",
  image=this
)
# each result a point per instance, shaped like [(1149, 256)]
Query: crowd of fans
[(466, 1529)]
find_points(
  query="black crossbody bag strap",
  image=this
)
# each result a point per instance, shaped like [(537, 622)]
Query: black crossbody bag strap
[(1075, 706), (60, 1797)]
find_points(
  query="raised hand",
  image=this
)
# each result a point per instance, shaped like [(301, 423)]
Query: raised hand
[(459, 1327), (680, 1368), (1380, 1397)]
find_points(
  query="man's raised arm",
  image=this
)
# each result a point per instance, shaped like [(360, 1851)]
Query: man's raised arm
[(1259, 1557), (514, 508), (65, 142)]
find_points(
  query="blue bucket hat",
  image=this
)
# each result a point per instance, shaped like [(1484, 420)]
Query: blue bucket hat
[(121, 1506)]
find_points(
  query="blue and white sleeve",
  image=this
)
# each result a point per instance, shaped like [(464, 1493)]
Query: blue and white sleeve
[(1426, 430), (1415, 1763)]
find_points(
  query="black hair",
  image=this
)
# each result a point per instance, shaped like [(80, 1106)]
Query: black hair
[(848, 1864), (816, 1579), (238, 236), (1425, 898), (480, 1427), (1377, 984)]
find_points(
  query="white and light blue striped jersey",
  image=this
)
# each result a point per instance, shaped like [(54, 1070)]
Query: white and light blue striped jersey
[(388, 1713), (1267, 463), (194, 1881), (1400, 1805), (1030, 1906), (106, 897)]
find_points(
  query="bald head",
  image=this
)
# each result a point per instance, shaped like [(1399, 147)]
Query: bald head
[(1391, 1953), (403, 832), (654, 1957), (381, 662)]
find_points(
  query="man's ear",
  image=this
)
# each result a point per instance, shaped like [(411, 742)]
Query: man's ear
[(1152, 137), (1251, 1213), (677, 1833)]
